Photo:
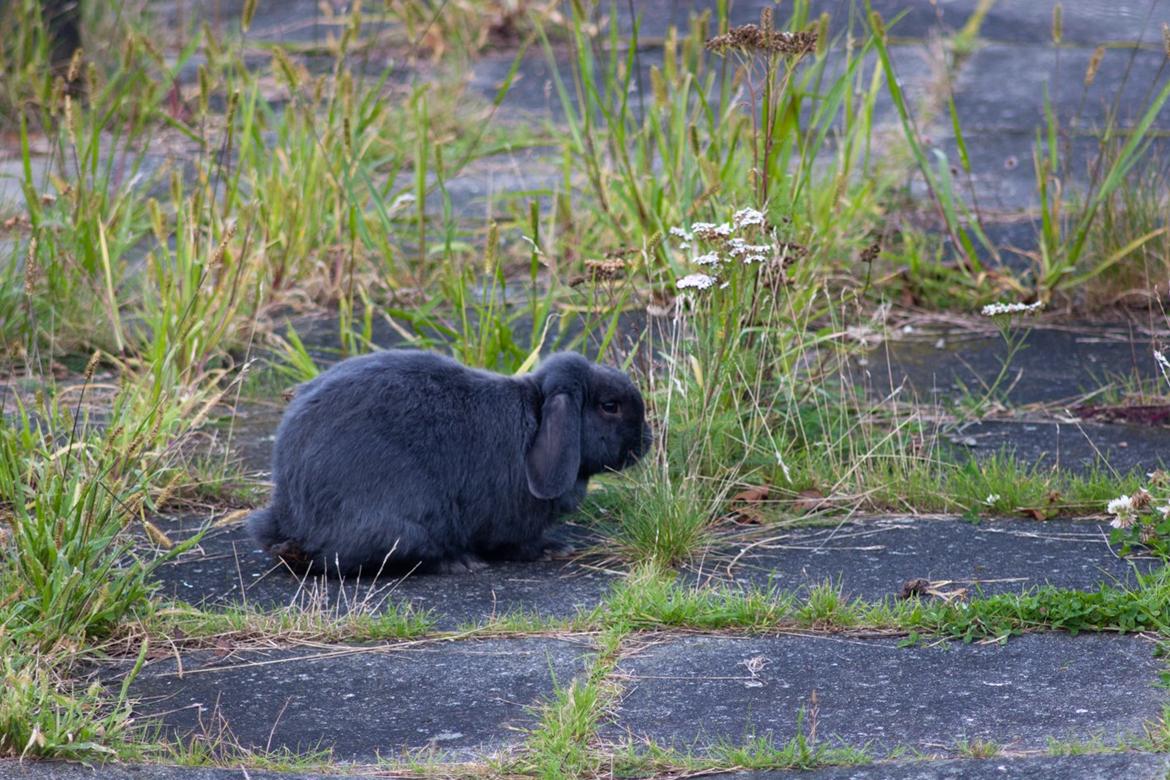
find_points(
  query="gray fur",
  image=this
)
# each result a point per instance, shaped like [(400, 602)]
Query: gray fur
[(405, 458)]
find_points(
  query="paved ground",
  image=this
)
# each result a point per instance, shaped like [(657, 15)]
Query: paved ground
[(457, 695)]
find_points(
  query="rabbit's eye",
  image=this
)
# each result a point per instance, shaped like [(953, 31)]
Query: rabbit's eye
[(611, 407)]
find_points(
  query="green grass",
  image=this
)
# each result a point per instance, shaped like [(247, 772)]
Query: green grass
[(761, 753), (562, 742), (328, 187)]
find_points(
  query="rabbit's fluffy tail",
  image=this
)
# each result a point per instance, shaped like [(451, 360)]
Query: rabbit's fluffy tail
[(264, 528)]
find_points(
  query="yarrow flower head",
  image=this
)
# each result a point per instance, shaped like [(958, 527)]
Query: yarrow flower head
[(709, 231), (747, 217), (738, 247), (711, 258), (997, 309), (696, 281)]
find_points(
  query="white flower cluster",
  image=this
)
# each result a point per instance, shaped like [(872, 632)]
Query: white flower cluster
[(711, 230), (747, 217), (696, 281), (751, 253), (997, 309), (736, 247)]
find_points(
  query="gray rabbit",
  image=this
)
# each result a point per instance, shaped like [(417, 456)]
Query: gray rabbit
[(406, 458)]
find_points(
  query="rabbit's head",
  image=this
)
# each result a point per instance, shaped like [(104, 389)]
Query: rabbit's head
[(592, 419)]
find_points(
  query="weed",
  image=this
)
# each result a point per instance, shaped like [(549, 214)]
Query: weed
[(1003, 485), (650, 598), (41, 717), (978, 748), (757, 752), (1084, 747), (1000, 617), (313, 617)]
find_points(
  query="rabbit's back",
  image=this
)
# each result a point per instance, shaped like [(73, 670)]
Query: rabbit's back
[(392, 447)]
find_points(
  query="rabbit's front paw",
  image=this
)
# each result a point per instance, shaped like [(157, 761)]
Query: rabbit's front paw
[(543, 549), (551, 549), (464, 564)]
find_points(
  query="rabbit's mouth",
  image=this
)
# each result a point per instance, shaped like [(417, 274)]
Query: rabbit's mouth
[(635, 453)]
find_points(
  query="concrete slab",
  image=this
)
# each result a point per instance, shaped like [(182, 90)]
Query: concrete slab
[(1002, 87), (1057, 365), (293, 21), (1071, 446), (59, 770), (692, 691), (465, 700), (1016, 21), (1135, 766), (875, 557), (228, 568), (1003, 176)]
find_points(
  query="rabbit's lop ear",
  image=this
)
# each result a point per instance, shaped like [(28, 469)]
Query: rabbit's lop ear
[(554, 458)]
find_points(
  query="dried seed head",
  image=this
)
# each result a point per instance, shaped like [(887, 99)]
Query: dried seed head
[(1166, 39), (114, 435), (604, 270), (287, 69), (871, 252), (749, 38), (31, 269), (823, 34), (74, 66), (221, 250), (1094, 64), (789, 252), (246, 16), (91, 366), (204, 88), (766, 20), (491, 250), (1057, 23)]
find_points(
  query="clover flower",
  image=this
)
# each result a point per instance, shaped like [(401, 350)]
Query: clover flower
[(1122, 509)]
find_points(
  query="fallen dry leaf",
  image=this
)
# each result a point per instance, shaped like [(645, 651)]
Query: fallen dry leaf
[(752, 495), (809, 501)]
